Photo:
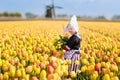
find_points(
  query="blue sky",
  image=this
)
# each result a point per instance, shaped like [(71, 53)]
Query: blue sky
[(70, 7)]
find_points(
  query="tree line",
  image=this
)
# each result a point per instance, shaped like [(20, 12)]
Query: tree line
[(11, 14), (33, 16)]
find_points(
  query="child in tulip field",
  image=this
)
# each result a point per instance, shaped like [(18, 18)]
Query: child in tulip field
[(72, 47)]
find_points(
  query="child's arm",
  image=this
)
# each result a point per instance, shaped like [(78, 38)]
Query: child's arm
[(69, 44), (65, 47)]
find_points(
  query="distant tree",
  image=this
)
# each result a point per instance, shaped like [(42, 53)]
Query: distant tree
[(62, 15), (1, 14), (30, 15), (101, 18), (12, 14), (85, 17), (116, 17), (6, 14), (17, 14), (78, 17)]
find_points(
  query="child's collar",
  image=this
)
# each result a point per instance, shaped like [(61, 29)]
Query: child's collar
[(77, 34)]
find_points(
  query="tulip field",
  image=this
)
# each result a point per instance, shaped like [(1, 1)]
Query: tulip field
[(27, 51)]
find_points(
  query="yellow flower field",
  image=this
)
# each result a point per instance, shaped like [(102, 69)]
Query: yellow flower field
[(27, 51)]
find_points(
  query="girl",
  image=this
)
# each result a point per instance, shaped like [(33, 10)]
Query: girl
[(72, 46)]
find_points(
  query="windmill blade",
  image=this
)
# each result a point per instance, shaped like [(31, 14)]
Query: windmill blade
[(58, 7)]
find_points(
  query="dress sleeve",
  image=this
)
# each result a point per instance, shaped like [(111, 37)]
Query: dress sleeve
[(69, 43)]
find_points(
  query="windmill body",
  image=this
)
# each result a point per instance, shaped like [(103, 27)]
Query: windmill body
[(50, 10)]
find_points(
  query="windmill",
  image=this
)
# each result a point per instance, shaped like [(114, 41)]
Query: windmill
[(50, 10)]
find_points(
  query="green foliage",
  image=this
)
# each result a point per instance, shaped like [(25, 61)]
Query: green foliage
[(60, 42)]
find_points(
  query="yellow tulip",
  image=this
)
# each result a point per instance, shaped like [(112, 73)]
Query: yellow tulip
[(106, 77), (72, 74), (85, 61), (43, 74), (94, 76), (118, 59), (83, 68)]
